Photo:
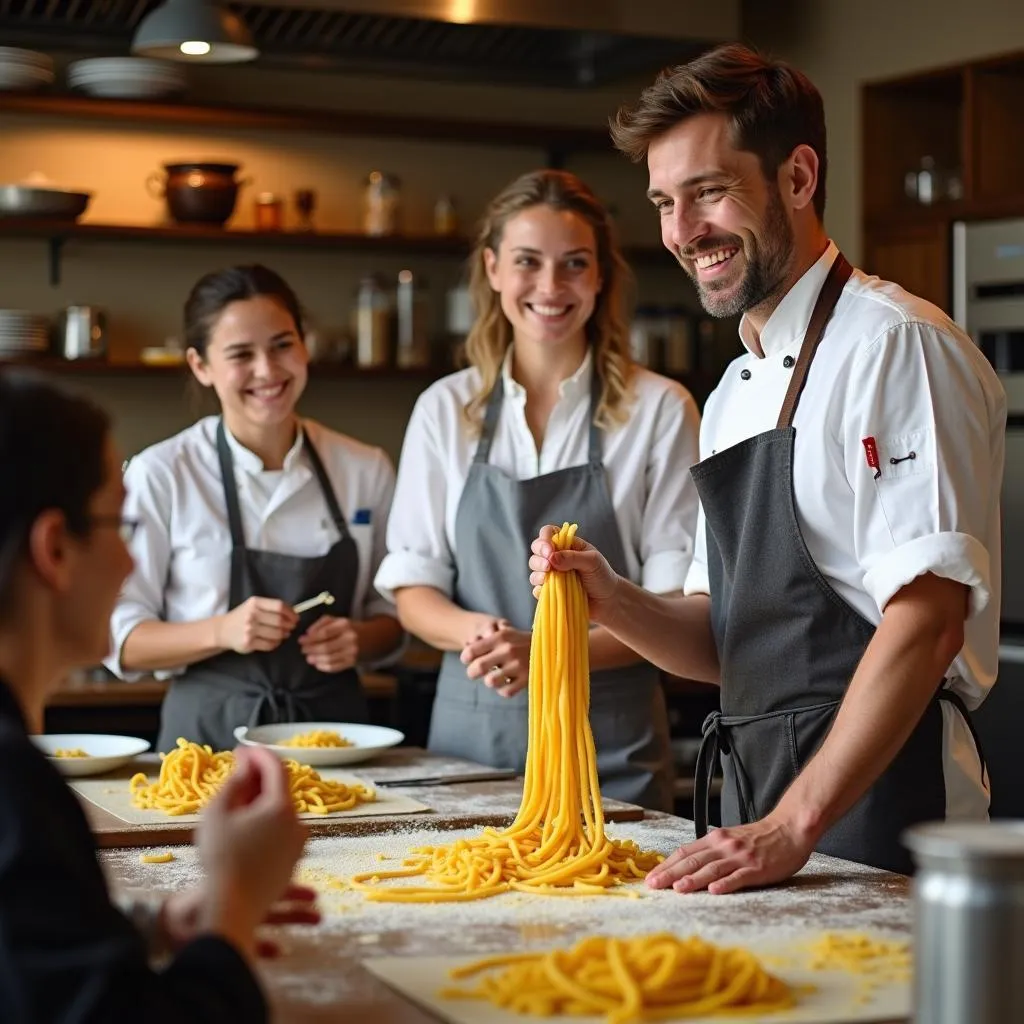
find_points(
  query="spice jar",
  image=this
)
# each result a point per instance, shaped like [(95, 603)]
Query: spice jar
[(381, 204), (446, 221), (269, 212), (373, 323)]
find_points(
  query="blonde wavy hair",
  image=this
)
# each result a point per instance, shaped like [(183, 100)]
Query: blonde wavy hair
[(608, 327)]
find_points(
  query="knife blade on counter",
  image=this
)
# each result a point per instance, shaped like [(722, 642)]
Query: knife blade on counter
[(491, 775)]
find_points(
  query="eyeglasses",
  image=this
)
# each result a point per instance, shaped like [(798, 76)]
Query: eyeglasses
[(125, 527)]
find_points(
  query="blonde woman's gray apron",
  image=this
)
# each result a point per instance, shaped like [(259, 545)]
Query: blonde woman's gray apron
[(788, 646), (214, 696), (497, 519)]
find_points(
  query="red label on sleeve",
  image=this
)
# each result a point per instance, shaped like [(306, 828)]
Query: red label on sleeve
[(871, 453)]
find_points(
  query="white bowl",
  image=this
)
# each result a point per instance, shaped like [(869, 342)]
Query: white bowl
[(366, 741), (105, 752)]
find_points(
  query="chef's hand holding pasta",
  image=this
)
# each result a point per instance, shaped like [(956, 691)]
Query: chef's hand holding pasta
[(258, 624)]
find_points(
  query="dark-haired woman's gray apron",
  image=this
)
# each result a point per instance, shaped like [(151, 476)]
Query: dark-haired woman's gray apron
[(789, 645), (216, 695), (497, 519)]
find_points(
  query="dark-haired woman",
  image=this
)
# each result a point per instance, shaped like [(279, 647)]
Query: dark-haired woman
[(66, 952), (245, 515)]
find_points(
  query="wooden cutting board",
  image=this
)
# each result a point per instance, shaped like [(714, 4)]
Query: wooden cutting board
[(838, 997), (454, 806)]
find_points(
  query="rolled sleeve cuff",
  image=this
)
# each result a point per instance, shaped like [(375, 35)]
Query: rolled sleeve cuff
[(123, 622), (697, 581), (953, 556), (665, 571), (408, 569)]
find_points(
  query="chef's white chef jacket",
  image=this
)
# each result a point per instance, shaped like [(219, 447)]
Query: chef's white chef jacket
[(182, 550), (646, 459), (892, 368)]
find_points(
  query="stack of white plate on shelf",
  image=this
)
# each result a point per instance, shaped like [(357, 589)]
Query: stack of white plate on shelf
[(128, 78), (24, 70), (23, 333)]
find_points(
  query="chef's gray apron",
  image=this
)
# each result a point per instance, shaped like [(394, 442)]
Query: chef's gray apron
[(788, 646), (497, 519), (216, 695)]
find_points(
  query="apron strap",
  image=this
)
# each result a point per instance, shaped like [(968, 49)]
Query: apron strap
[(595, 455), (227, 475), (325, 486), (490, 424), (707, 762), (838, 274)]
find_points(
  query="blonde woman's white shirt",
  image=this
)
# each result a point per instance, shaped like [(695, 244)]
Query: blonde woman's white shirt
[(182, 550), (892, 368), (647, 462)]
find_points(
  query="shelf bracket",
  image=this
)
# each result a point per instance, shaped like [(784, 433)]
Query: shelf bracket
[(56, 250)]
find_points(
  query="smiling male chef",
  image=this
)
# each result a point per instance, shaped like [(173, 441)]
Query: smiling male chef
[(845, 587)]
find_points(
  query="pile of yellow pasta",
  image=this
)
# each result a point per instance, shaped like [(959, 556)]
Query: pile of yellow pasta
[(191, 774), (317, 738), (557, 843), (881, 959), (651, 977), (70, 752)]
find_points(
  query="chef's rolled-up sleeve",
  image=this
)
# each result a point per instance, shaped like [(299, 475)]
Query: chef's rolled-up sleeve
[(149, 487), (921, 437), (418, 553)]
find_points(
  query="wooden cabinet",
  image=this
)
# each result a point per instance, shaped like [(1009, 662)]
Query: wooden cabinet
[(961, 123), (916, 256)]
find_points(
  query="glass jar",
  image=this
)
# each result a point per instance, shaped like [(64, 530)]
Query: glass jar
[(269, 212), (373, 323), (446, 221), (382, 201), (412, 345)]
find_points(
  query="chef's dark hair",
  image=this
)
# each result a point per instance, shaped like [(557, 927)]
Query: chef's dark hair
[(213, 293), (773, 108), (51, 457)]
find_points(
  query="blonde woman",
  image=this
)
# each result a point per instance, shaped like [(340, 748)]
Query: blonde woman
[(551, 421)]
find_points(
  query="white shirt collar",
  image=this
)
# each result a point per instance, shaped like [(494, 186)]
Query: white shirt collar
[(572, 386), (788, 322), (249, 462)]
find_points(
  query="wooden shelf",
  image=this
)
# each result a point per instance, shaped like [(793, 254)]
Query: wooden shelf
[(317, 370), (551, 138), (57, 233)]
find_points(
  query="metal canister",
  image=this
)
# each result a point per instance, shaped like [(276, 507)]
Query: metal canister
[(968, 922), (412, 345)]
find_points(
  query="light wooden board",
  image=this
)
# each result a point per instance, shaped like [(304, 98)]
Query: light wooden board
[(111, 793), (838, 997)]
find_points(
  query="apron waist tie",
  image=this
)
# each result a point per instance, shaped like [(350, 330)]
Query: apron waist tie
[(715, 740)]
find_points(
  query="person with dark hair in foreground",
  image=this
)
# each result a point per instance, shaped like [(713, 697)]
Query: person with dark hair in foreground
[(844, 590), (67, 954)]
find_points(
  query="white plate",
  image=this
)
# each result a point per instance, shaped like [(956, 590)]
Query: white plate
[(366, 741), (105, 752)]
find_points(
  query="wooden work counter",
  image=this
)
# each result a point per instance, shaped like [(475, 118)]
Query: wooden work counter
[(321, 978)]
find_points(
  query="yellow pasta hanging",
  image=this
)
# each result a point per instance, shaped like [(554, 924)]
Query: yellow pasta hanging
[(191, 774), (557, 844), (317, 738), (648, 978)]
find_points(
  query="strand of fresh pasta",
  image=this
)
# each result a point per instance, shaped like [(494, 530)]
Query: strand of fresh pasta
[(557, 843), (647, 978), (191, 774)]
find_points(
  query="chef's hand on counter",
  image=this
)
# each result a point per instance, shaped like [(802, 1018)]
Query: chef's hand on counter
[(330, 644), (181, 916), (249, 840), (727, 859), (599, 580), (259, 624), (501, 658)]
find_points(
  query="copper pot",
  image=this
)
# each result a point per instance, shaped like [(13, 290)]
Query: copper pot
[(197, 193)]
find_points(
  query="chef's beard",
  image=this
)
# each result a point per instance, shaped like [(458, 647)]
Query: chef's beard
[(767, 265)]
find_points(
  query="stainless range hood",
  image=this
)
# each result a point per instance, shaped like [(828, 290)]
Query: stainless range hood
[(566, 43)]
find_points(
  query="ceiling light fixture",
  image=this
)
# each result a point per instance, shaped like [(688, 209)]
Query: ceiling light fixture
[(194, 30)]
